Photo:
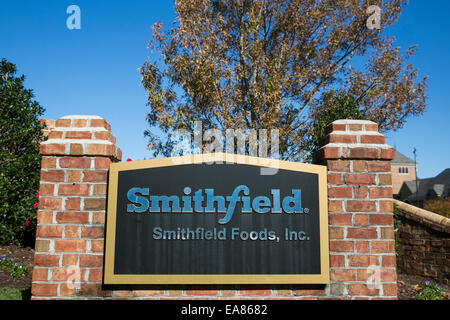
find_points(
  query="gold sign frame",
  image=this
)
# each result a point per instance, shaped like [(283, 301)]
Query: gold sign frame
[(110, 278)]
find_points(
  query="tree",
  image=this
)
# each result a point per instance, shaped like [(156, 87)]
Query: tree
[(20, 161), (260, 64)]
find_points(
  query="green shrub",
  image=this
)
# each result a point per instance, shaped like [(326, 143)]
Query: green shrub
[(20, 138)]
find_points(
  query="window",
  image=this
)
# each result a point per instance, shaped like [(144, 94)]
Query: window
[(406, 170), (399, 170)]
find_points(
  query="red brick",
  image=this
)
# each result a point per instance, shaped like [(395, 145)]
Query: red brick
[(102, 163), (335, 233), (362, 233), (75, 162), (380, 166), (360, 178), (73, 189), (72, 217), (95, 176), (95, 204), (383, 246), (70, 245), (386, 206), (363, 153), (74, 176), (374, 139), (100, 149), (46, 260), (359, 165), (361, 220), (79, 123), (72, 204), (93, 289), (390, 289), (62, 123), (334, 205), (102, 135), (92, 232), (337, 261), (387, 153), (361, 260), (55, 135), (334, 178), (64, 274), (69, 260), (360, 192), (341, 246), (309, 292), (371, 127), (339, 192), (71, 232), (361, 206), (334, 127), (342, 275), (97, 245), (95, 275), (40, 274), (204, 292), (67, 289), (339, 219), (98, 217), (78, 135), (143, 293), (339, 165), (49, 232), (99, 190), (330, 152), (46, 189), (48, 163), (377, 192), (52, 175), (50, 203), (100, 123), (362, 246), (382, 219), (44, 289), (76, 149), (44, 217), (389, 261), (354, 127), (53, 149), (340, 138), (91, 260)]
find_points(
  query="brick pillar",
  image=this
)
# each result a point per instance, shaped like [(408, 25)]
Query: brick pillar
[(362, 245), (68, 259)]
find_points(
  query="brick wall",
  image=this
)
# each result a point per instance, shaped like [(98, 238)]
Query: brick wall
[(424, 242), (70, 235)]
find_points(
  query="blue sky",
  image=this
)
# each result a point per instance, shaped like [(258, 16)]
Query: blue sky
[(93, 70)]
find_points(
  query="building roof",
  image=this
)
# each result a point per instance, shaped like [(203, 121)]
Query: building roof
[(400, 158), (438, 186)]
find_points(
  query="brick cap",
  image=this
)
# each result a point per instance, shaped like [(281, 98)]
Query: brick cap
[(419, 214), (352, 121), (87, 117)]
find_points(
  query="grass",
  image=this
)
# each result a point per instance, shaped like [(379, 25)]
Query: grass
[(14, 294)]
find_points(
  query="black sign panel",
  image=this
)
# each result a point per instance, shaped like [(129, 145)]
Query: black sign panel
[(216, 223)]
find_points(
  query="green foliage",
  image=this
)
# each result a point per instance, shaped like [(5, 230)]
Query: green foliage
[(430, 291), (343, 106), (20, 137)]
